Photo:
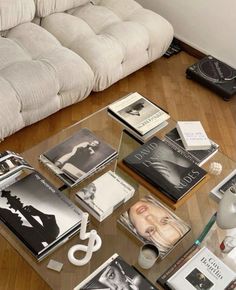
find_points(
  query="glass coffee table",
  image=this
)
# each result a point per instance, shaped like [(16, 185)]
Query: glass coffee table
[(196, 211)]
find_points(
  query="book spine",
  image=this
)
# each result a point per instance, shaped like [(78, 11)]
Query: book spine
[(176, 266), (180, 150)]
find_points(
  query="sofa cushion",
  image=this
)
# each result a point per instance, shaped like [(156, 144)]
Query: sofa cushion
[(14, 12), (39, 76), (46, 7), (114, 37)]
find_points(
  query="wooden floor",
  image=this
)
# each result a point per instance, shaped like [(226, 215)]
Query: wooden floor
[(163, 82)]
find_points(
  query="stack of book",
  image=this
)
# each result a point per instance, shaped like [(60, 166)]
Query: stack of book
[(138, 115), (35, 211), (78, 157), (168, 171), (199, 157), (198, 268)]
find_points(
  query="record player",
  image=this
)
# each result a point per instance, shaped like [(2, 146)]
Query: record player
[(214, 74)]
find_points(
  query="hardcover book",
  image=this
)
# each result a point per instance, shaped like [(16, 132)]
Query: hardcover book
[(78, 157), (39, 215), (203, 271), (11, 162), (139, 115), (162, 280), (151, 222), (102, 196), (174, 140), (168, 170), (219, 190), (193, 135), (113, 274)]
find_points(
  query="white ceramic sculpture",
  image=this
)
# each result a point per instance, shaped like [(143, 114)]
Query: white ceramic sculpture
[(94, 244)]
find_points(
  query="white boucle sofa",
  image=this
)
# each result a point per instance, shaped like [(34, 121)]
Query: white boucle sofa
[(115, 37), (76, 46)]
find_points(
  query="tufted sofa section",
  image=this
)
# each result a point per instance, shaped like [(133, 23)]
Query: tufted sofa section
[(38, 76), (115, 37)]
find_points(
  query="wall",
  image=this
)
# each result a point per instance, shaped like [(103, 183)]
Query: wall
[(207, 25)]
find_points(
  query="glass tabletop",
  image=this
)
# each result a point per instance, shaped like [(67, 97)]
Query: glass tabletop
[(196, 211)]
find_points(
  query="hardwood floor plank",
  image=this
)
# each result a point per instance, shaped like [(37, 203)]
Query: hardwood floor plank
[(163, 82)]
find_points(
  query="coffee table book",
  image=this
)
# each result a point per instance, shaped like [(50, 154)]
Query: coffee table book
[(38, 214), (177, 265), (115, 273), (218, 191), (173, 139), (140, 117), (203, 271), (193, 135), (78, 157), (166, 169), (102, 196), (150, 221)]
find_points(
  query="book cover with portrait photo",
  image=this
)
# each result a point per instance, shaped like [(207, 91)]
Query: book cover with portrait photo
[(204, 271), (165, 168), (115, 273), (151, 222), (78, 156)]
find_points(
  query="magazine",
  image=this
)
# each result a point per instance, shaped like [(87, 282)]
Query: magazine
[(151, 222), (203, 271), (78, 157), (139, 115), (166, 169), (199, 157), (102, 196), (114, 274), (39, 215)]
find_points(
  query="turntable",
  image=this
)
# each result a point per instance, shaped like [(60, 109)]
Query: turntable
[(214, 74)]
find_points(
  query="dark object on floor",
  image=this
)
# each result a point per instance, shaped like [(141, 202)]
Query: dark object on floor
[(174, 48), (215, 75)]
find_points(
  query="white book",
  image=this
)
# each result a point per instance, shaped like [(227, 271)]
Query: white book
[(138, 113), (102, 196), (193, 135), (203, 271)]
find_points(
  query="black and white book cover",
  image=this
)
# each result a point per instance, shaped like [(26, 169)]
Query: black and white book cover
[(204, 271), (174, 140), (78, 156), (38, 214), (165, 168), (138, 112), (115, 274), (10, 162), (151, 222), (219, 190), (102, 196)]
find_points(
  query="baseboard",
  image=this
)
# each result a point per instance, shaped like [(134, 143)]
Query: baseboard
[(189, 49)]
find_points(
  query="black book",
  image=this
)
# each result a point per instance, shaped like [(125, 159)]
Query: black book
[(115, 272), (166, 169), (39, 215), (173, 139)]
